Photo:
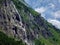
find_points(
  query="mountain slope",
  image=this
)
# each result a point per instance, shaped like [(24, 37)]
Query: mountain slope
[(19, 21), (5, 40)]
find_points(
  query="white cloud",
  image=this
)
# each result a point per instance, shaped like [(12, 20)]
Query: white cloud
[(40, 10), (43, 15), (54, 22), (52, 5), (56, 14)]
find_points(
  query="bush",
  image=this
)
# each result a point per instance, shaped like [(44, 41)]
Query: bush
[(5, 40)]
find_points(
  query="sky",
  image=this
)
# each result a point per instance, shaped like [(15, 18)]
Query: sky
[(49, 9)]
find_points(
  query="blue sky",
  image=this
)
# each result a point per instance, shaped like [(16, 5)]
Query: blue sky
[(49, 9)]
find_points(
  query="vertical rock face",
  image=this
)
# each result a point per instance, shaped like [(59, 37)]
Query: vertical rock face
[(10, 20), (19, 21)]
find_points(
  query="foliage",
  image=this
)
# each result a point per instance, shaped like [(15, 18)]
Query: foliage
[(5, 40), (33, 12), (23, 10), (24, 13)]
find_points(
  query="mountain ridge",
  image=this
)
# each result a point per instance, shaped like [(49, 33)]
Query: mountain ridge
[(21, 22)]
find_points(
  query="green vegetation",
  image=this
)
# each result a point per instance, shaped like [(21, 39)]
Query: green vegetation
[(56, 36), (23, 10), (25, 15), (20, 5), (1, 1), (33, 12), (38, 42), (5, 40)]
